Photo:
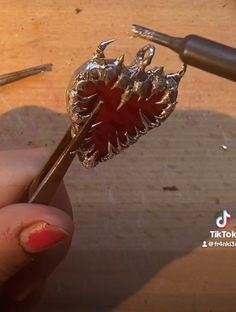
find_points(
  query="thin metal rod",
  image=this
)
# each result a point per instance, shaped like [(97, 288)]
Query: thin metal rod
[(46, 183), (14, 76)]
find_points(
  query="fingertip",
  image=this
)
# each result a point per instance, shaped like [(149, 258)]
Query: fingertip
[(20, 216), (41, 236), (28, 229)]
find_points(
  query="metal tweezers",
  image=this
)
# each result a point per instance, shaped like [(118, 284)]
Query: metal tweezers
[(47, 181)]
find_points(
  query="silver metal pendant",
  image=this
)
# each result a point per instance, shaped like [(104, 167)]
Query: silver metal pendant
[(135, 100)]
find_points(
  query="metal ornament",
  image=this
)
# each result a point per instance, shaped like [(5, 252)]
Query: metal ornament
[(135, 100)]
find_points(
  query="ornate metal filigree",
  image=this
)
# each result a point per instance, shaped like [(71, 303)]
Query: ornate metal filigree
[(135, 101)]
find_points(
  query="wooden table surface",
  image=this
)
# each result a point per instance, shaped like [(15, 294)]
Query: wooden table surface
[(136, 247)]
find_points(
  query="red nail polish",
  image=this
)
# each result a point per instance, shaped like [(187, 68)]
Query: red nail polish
[(41, 236)]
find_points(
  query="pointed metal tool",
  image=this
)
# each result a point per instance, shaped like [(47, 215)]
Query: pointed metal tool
[(17, 75), (205, 54)]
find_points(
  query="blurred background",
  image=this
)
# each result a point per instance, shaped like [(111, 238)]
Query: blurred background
[(140, 218)]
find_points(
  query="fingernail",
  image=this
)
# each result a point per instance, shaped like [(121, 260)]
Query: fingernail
[(41, 236)]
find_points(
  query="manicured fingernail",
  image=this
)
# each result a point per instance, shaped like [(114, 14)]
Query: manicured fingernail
[(41, 236)]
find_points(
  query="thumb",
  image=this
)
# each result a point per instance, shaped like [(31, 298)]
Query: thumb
[(25, 231)]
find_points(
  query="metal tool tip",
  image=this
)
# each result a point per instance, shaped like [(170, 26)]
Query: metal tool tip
[(46, 67), (136, 27), (152, 35), (140, 30), (137, 30)]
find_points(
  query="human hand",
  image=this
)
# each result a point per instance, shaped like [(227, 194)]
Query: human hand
[(34, 238)]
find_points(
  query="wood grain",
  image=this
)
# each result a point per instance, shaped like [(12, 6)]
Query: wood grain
[(136, 247)]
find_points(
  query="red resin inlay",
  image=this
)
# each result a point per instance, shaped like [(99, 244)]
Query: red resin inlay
[(118, 122)]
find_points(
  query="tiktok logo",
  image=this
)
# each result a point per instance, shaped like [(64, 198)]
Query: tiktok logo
[(223, 219)]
